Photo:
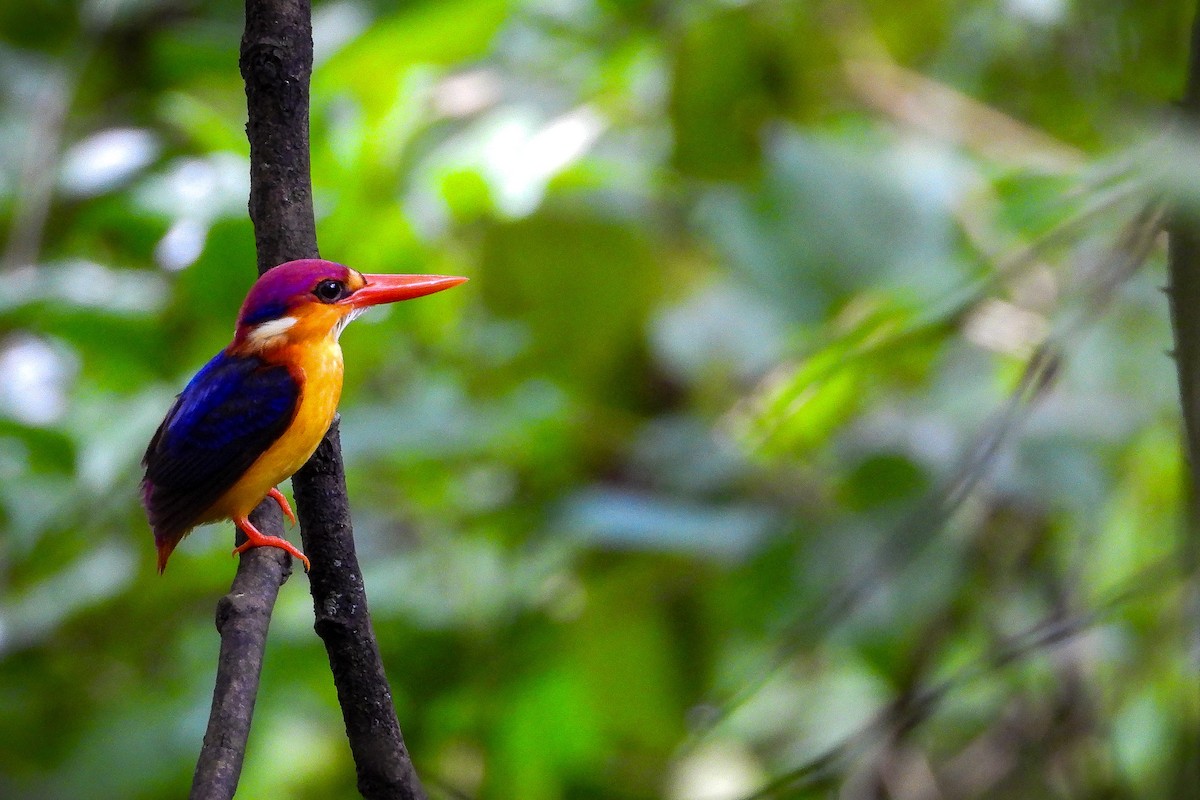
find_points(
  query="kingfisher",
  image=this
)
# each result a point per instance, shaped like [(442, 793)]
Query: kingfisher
[(256, 412)]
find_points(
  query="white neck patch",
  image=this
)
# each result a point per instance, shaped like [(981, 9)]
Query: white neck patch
[(344, 321), (263, 333)]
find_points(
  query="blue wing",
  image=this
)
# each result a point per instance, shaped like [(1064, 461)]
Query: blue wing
[(227, 416)]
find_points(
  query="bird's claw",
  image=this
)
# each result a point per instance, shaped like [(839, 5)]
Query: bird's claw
[(256, 539), (278, 497)]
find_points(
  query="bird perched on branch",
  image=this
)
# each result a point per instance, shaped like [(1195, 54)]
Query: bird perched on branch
[(257, 411)]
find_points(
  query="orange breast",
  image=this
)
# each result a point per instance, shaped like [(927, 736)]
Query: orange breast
[(319, 368)]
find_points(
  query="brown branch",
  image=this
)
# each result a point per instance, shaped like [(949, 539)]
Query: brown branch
[(276, 63), (1183, 240), (1183, 291), (340, 601), (243, 617)]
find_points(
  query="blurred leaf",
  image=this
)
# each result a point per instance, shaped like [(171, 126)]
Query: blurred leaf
[(431, 33), (881, 480), (641, 506), (716, 102), (581, 285), (623, 519), (548, 730), (799, 408), (42, 449)]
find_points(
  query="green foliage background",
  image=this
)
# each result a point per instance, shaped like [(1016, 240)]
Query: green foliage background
[(723, 452)]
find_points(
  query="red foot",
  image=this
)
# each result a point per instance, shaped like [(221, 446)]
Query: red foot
[(278, 497), (256, 539)]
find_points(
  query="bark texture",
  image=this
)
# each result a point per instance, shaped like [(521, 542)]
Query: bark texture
[(1183, 290), (276, 64), (343, 623), (243, 617)]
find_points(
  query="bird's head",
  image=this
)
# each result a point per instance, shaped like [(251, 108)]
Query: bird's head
[(312, 299)]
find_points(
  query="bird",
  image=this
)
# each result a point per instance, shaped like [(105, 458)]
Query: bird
[(256, 412)]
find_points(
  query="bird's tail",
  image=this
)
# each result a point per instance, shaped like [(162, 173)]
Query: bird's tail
[(165, 546), (166, 532)]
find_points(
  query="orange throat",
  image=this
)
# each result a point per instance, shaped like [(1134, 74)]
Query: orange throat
[(317, 368)]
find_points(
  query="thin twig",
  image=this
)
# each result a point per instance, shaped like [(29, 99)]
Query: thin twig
[(1184, 293), (1183, 265), (908, 538), (922, 702), (40, 158)]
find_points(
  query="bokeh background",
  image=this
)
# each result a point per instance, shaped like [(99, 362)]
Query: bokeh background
[(800, 430)]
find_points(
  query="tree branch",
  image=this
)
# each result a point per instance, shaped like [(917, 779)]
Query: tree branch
[(1183, 291), (276, 63), (243, 617), (343, 623)]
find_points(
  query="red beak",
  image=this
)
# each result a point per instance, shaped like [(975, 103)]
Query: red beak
[(392, 288)]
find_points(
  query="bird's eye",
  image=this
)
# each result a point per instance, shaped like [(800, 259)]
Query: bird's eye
[(330, 291)]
